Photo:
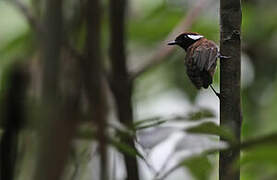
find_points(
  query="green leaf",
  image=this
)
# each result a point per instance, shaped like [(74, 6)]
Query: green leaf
[(85, 132), (265, 154), (201, 114), (125, 148), (212, 129), (123, 133), (18, 47), (148, 123), (200, 167), (138, 123), (259, 162)]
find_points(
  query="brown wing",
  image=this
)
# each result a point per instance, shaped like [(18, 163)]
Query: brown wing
[(205, 56), (201, 62)]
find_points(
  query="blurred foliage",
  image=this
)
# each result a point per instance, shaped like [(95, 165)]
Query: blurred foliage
[(212, 129), (199, 166), (201, 114), (144, 30), (260, 163), (149, 22)]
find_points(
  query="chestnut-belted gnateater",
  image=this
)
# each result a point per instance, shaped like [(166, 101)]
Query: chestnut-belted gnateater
[(201, 58)]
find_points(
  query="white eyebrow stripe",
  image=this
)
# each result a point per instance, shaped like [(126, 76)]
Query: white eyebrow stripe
[(195, 37)]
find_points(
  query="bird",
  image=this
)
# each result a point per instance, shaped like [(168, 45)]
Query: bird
[(201, 58)]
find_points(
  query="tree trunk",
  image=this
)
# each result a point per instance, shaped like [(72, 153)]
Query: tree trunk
[(92, 71), (121, 84), (230, 102), (58, 119), (12, 118)]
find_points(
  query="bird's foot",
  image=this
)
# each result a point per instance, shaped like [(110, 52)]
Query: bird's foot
[(224, 57), (219, 96), (216, 93)]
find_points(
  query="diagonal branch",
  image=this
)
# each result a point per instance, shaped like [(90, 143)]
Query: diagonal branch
[(163, 51), (27, 14)]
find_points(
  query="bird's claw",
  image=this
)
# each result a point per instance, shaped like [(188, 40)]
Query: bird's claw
[(219, 96), (224, 57), (216, 93)]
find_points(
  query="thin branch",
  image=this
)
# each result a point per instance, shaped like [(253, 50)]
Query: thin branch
[(271, 138), (27, 14), (144, 159), (171, 170), (163, 51), (164, 166)]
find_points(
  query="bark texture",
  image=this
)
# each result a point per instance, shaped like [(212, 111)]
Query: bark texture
[(121, 84), (230, 103)]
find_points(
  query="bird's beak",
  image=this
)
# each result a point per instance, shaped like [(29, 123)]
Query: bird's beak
[(172, 43)]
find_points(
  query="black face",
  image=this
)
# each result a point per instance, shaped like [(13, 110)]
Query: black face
[(185, 40)]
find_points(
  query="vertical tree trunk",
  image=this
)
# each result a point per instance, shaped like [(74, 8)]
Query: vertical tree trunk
[(12, 105), (230, 103), (120, 82), (58, 117), (92, 69)]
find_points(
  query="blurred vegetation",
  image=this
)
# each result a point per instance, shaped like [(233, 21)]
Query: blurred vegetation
[(163, 99)]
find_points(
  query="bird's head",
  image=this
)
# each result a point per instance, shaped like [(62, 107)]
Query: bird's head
[(186, 39)]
